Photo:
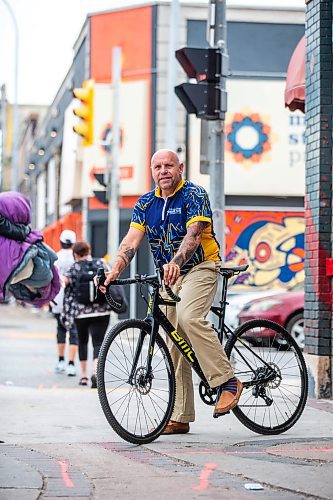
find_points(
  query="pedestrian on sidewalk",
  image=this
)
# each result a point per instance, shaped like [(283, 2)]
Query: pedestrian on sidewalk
[(64, 262), (27, 269), (82, 307)]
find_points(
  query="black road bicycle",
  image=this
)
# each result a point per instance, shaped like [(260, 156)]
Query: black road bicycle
[(136, 379)]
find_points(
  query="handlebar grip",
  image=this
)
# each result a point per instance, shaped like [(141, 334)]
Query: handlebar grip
[(172, 295), (110, 300)]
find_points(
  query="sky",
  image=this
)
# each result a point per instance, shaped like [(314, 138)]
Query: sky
[(47, 31)]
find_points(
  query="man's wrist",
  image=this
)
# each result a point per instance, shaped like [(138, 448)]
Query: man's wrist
[(178, 261)]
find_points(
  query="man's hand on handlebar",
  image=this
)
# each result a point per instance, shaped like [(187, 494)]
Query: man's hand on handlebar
[(171, 273), (110, 276)]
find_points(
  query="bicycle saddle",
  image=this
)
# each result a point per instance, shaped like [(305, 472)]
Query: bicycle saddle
[(234, 270)]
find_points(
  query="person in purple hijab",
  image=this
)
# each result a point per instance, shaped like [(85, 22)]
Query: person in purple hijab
[(26, 263)]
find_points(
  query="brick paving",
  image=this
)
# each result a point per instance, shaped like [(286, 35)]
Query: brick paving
[(57, 479)]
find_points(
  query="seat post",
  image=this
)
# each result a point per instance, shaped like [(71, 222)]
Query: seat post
[(223, 301)]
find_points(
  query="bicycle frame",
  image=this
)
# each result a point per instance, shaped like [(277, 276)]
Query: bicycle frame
[(155, 317), (219, 311)]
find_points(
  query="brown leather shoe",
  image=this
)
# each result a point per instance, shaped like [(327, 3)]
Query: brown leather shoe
[(228, 400), (173, 427)]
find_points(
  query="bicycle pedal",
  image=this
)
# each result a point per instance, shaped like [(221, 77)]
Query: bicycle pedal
[(217, 415)]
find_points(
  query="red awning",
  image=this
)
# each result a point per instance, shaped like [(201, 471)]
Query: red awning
[(294, 94)]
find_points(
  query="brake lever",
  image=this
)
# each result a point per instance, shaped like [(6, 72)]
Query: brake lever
[(100, 280), (159, 272)]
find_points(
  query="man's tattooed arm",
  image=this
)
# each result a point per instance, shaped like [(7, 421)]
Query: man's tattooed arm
[(125, 254), (127, 250), (190, 242)]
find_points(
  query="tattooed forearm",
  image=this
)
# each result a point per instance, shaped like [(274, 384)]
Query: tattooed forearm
[(190, 243), (124, 256), (130, 254), (178, 259)]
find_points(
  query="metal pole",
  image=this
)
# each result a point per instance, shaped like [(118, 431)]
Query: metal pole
[(171, 118), (217, 28), (113, 188), (14, 159), (3, 121)]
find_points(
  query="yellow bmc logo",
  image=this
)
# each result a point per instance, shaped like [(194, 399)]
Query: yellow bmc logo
[(183, 345)]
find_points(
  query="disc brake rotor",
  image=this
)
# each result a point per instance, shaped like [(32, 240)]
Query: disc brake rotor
[(141, 382)]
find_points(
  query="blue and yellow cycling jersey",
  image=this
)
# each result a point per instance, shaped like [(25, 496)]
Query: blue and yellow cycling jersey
[(166, 221)]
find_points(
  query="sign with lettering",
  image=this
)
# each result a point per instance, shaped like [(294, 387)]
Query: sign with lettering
[(264, 142)]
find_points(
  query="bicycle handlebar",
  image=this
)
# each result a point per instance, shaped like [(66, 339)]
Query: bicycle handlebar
[(152, 279), (172, 295)]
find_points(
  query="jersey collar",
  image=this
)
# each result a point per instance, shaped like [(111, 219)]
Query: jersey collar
[(158, 190)]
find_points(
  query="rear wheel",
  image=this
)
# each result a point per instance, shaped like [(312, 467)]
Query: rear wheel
[(275, 379), (137, 404)]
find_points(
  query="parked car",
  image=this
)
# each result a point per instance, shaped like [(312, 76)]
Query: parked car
[(237, 301), (286, 309)]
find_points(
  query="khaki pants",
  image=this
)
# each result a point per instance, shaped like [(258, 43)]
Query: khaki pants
[(196, 290)]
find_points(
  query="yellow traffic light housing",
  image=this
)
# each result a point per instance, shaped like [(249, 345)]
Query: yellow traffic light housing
[(85, 128)]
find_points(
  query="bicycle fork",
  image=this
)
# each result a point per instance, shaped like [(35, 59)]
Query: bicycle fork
[(146, 371)]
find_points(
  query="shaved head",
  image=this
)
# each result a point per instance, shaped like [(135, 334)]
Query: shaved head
[(165, 152)]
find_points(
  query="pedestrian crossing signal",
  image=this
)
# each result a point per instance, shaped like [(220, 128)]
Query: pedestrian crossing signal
[(85, 127), (206, 99)]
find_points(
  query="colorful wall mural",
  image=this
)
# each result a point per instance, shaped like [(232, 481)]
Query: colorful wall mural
[(272, 243)]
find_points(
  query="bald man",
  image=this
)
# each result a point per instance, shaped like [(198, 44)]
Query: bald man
[(178, 212)]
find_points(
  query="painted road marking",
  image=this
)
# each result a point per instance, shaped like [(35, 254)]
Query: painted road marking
[(205, 474), (65, 474)]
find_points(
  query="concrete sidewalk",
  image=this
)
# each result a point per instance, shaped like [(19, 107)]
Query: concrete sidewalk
[(73, 453), (56, 442)]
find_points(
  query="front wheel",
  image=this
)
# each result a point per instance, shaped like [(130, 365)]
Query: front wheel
[(137, 404), (275, 379)]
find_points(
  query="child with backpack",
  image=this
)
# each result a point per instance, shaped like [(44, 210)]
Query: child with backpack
[(86, 307)]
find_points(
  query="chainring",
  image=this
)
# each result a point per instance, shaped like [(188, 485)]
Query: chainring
[(208, 396)]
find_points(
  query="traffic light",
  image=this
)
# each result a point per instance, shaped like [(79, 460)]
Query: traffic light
[(101, 195), (85, 128), (205, 98)]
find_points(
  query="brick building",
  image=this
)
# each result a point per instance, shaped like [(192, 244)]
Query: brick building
[(318, 198)]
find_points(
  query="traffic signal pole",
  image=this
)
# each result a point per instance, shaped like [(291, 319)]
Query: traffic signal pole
[(171, 119), (216, 36), (113, 179)]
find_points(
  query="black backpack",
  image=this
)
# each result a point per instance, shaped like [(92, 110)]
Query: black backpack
[(84, 287)]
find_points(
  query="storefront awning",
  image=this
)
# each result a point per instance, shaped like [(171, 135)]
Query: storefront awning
[(294, 95)]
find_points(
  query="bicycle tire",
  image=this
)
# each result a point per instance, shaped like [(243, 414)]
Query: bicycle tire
[(135, 423), (287, 391)]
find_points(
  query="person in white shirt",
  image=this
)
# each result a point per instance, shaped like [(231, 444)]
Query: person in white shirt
[(64, 262)]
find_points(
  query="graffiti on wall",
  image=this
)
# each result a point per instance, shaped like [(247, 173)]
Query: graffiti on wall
[(272, 243)]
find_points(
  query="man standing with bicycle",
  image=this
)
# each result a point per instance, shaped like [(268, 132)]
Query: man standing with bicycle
[(177, 219)]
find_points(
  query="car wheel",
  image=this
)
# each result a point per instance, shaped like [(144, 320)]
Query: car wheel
[(295, 327)]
